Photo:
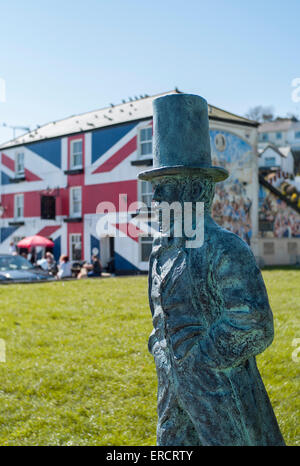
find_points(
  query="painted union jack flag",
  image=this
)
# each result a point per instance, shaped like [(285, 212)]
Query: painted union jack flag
[(79, 171)]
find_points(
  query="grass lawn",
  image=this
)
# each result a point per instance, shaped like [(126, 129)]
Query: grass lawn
[(77, 370)]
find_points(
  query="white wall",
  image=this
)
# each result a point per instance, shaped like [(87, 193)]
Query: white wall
[(277, 251), (269, 152)]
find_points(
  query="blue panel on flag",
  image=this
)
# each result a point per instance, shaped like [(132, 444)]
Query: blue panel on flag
[(123, 264), (5, 232), (95, 243), (49, 150), (5, 179), (57, 248), (105, 138)]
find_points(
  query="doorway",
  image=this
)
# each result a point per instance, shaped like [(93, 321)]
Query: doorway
[(107, 253)]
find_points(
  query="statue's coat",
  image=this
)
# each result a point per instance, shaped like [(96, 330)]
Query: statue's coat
[(211, 317)]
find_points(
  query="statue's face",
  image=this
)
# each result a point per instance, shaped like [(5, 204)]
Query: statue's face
[(166, 190), (181, 189), (177, 189)]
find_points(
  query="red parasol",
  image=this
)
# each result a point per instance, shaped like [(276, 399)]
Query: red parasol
[(35, 240)]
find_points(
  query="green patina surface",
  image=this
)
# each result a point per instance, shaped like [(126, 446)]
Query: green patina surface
[(209, 305)]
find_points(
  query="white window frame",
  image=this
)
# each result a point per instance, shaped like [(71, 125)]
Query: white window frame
[(76, 236), (16, 206), (147, 141), (74, 166), (144, 239), (17, 163), (72, 212), (147, 193)]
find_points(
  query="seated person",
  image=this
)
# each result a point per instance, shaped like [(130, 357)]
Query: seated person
[(91, 270), (97, 268), (43, 263), (51, 264), (64, 268)]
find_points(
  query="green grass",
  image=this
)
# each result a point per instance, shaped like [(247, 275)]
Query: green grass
[(78, 372)]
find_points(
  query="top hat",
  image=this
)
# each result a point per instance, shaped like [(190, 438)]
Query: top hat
[(181, 143)]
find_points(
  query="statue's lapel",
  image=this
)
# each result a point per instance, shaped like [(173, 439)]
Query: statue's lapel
[(172, 269)]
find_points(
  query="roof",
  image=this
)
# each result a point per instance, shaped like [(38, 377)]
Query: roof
[(282, 124), (115, 114), (282, 151), (285, 150)]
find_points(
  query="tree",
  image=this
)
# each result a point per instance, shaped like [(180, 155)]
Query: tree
[(260, 113)]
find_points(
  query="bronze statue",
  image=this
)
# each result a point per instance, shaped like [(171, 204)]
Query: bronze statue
[(210, 309)]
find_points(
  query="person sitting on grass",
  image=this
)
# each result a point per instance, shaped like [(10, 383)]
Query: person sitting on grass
[(64, 268), (51, 264), (91, 270)]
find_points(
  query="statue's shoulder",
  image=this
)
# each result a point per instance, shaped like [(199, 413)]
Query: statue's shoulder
[(222, 244), (230, 241), (234, 252)]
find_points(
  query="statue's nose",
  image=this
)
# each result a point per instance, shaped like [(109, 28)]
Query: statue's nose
[(157, 195)]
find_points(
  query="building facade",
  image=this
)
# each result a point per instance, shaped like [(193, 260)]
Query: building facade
[(54, 179), (282, 132), (277, 159)]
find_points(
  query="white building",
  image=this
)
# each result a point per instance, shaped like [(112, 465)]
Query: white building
[(274, 158), (281, 132)]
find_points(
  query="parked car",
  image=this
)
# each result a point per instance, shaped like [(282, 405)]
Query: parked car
[(18, 269)]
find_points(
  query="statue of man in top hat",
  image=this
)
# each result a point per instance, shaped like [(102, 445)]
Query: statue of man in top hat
[(210, 309)]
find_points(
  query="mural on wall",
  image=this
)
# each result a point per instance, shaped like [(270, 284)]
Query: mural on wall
[(232, 203), (276, 219)]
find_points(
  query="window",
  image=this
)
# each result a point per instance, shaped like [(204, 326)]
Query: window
[(269, 248), (297, 135), (75, 247), (265, 137), (76, 154), (292, 248), (270, 161), (145, 141), (278, 135), (19, 164), (146, 247), (48, 207), (146, 193), (19, 205), (75, 202)]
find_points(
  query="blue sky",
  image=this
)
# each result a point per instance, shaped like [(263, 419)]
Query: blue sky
[(66, 57)]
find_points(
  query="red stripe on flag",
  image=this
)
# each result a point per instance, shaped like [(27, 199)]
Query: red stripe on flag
[(31, 176), (135, 232), (7, 162), (118, 157), (48, 231)]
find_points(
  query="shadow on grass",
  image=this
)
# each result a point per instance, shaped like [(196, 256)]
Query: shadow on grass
[(280, 267)]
